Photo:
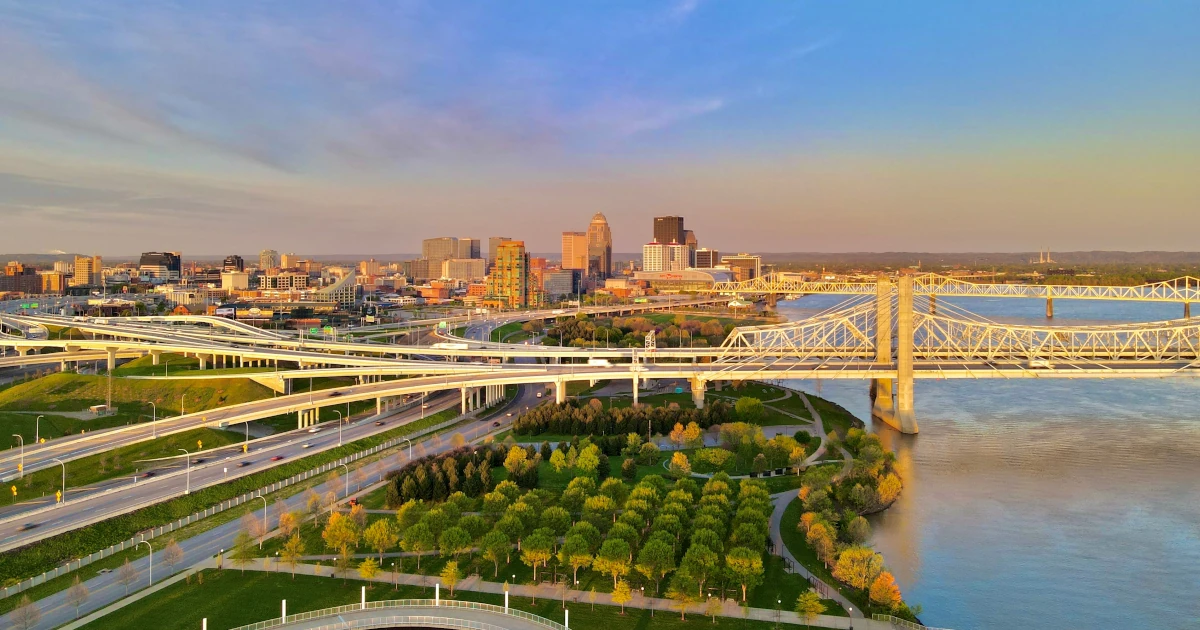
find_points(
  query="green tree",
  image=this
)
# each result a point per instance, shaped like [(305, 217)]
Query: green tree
[(858, 567), (613, 559), (381, 536), (451, 576), (858, 531), (557, 519), (577, 553), (684, 590), (750, 409), (537, 550), (700, 563), (417, 540), (558, 461), (655, 560), (454, 541), (808, 606), (368, 568), (746, 566), (293, 549), (495, 545), (243, 549)]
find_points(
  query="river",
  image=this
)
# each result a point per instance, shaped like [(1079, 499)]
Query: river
[(1043, 504)]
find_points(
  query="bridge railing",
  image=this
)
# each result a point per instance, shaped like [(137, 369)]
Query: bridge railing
[(902, 623), (391, 604), (418, 621), (75, 565)]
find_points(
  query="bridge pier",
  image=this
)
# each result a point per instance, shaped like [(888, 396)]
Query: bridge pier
[(155, 356), (112, 358), (906, 420), (635, 391), (1187, 310), (697, 392), (880, 390), (463, 404), (560, 392), (1049, 308)]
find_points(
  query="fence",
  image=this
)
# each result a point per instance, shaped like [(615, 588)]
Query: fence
[(902, 623), (75, 565), (404, 603)]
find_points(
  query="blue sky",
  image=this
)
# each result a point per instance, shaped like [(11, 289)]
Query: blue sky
[(343, 127)]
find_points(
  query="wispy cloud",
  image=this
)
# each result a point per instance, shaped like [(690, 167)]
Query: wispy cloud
[(683, 8), (629, 117)]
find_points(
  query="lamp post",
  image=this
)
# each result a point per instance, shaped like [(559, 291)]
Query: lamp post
[(339, 413), (409, 448), (154, 420), (188, 487), (64, 491), (260, 538), (347, 478), (37, 429), (151, 564), (21, 466)]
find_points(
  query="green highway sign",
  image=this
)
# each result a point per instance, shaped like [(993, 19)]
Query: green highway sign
[(314, 331)]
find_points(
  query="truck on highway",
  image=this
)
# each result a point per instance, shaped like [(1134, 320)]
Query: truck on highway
[(599, 363), (446, 345)]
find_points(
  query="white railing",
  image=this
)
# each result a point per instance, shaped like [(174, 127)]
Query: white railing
[(75, 565), (903, 623), (402, 603), (410, 621)]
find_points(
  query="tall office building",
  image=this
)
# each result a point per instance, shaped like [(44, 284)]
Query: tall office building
[(161, 266), (21, 279), (469, 269), (268, 259), (468, 248), (289, 261), (689, 239), (87, 272), (665, 257), (63, 267), (368, 268), (599, 247), (707, 258), (435, 250), (493, 245), (668, 230), (53, 281), (574, 250), (744, 266), (233, 263), (509, 284)]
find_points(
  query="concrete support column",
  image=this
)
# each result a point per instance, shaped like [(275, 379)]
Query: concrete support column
[(112, 358), (636, 385), (155, 356), (882, 406), (698, 392), (1049, 308), (1187, 310), (378, 406), (905, 415), (300, 419), (200, 357), (560, 392), (463, 394)]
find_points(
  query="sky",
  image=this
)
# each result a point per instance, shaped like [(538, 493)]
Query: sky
[(349, 127)]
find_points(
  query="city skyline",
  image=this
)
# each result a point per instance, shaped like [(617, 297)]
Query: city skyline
[(181, 124)]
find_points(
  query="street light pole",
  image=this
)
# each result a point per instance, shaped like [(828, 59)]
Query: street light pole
[(22, 465), (339, 413), (37, 429), (409, 448), (154, 420), (64, 466), (188, 487), (151, 559), (260, 538)]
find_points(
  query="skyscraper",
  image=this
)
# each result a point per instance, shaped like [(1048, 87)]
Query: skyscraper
[(574, 250), (707, 258), (665, 257), (468, 247), (289, 261), (87, 272), (510, 283), (744, 266), (493, 245), (668, 230), (268, 259), (599, 247), (233, 263), (161, 266), (435, 250)]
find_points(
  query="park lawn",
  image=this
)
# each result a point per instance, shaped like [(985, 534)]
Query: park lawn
[(499, 334), (804, 554), (229, 598), (76, 392), (834, 416), (780, 588), (27, 426), (120, 462)]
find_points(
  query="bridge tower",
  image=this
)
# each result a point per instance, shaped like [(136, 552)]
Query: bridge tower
[(882, 405), (906, 420)]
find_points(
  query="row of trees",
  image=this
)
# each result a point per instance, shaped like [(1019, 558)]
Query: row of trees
[(571, 418), (436, 477), (630, 332)]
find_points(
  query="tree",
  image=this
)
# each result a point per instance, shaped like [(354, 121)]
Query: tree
[(358, 514), (750, 409), (683, 591), (288, 522), (418, 539), (621, 594), (558, 461), (77, 595), (292, 550), (381, 536), (746, 566), (613, 559), (858, 567), (680, 466), (808, 606), (821, 540), (537, 550), (713, 608), (172, 554), (368, 569), (495, 545), (701, 563), (451, 576), (577, 553), (457, 440), (884, 591), (454, 541), (589, 460), (676, 435), (655, 560), (693, 436), (515, 460), (27, 615), (243, 550), (648, 454), (557, 519), (629, 469), (889, 488), (858, 531), (127, 575), (340, 533), (512, 527)]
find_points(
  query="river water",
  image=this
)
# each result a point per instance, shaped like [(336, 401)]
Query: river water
[(1043, 503)]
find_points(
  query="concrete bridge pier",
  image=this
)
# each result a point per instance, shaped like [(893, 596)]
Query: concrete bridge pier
[(1187, 310), (155, 357), (636, 385), (560, 392), (883, 407), (906, 420), (462, 391), (1049, 308), (698, 386), (112, 358)]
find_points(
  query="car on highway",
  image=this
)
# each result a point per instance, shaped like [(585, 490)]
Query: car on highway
[(148, 473), (306, 445), (243, 464), (495, 424), (277, 458), (28, 526), (315, 429), (379, 423), (425, 406), (334, 394), (198, 460), (539, 394), (509, 414)]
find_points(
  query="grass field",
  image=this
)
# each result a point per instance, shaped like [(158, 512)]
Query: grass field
[(228, 598), (780, 588), (28, 427), (77, 392), (170, 363), (794, 539)]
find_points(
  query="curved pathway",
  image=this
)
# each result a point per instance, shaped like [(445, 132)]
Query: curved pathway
[(782, 500)]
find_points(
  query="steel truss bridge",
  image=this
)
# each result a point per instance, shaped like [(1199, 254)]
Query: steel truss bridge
[(889, 336)]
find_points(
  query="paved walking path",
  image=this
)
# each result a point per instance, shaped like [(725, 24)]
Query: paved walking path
[(782, 500)]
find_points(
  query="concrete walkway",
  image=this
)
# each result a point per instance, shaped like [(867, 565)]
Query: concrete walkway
[(781, 501)]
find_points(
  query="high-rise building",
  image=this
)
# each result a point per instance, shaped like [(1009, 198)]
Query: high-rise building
[(468, 269), (53, 281), (689, 239), (574, 250), (20, 279), (234, 280), (435, 250), (63, 267), (665, 257), (468, 248), (289, 261), (368, 268), (509, 284), (268, 259), (161, 267), (599, 247), (493, 245), (668, 230), (233, 263), (88, 272), (707, 258), (561, 283), (744, 266)]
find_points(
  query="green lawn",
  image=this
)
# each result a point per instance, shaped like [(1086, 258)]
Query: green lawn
[(794, 539), (780, 588), (53, 426), (228, 598), (504, 331), (77, 392)]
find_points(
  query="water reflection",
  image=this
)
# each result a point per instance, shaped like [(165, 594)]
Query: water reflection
[(1044, 504)]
